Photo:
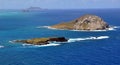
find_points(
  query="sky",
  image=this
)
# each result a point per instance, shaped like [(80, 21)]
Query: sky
[(59, 4)]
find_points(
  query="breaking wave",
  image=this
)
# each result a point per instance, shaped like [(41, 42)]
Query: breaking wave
[(89, 38), (52, 44), (47, 45), (70, 40), (1, 46), (48, 27), (112, 28)]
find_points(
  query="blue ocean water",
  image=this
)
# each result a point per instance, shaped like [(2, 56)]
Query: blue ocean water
[(86, 51)]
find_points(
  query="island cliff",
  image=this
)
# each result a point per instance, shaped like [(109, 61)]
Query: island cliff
[(41, 41), (86, 22)]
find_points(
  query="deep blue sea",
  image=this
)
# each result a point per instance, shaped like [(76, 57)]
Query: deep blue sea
[(82, 48)]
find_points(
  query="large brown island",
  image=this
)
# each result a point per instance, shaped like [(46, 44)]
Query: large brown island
[(85, 22)]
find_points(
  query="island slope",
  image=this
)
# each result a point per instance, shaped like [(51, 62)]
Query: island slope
[(85, 22)]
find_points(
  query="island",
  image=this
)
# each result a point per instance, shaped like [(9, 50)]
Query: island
[(33, 9), (85, 22), (41, 41)]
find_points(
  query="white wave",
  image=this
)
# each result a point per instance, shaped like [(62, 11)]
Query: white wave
[(102, 37), (89, 38), (90, 30), (108, 29), (112, 28), (69, 41), (27, 44), (1, 46), (11, 41), (52, 28), (48, 27), (51, 44), (42, 27), (116, 26), (45, 27)]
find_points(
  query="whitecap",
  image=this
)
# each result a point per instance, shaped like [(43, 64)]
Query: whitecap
[(52, 44), (42, 27), (113, 28), (1, 46), (88, 38), (45, 27), (47, 45), (76, 39), (102, 37), (11, 41), (27, 44)]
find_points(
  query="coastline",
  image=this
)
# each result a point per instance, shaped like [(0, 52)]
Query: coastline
[(112, 28), (70, 40)]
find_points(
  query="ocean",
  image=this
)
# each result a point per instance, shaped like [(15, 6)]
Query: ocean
[(83, 47)]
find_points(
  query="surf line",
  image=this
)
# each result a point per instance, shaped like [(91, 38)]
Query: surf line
[(112, 28), (88, 38), (70, 40)]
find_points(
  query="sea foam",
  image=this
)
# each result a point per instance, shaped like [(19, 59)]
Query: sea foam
[(48, 27), (47, 45), (52, 44), (69, 41), (112, 28), (88, 38), (1, 46)]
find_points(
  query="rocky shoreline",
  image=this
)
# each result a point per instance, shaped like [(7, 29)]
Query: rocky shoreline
[(85, 22), (41, 41)]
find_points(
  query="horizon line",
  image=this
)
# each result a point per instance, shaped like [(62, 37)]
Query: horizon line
[(61, 9)]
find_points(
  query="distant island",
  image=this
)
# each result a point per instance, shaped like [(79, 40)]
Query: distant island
[(85, 22), (33, 9)]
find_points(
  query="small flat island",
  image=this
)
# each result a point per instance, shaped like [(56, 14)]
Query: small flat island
[(41, 41), (85, 22)]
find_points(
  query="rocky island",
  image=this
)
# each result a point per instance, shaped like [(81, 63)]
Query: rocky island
[(41, 41), (33, 9), (85, 22)]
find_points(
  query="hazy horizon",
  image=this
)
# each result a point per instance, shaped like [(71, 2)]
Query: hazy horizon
[(59, 4)]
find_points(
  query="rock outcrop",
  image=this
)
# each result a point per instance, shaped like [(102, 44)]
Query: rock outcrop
[(86, 22), (42, 41)]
